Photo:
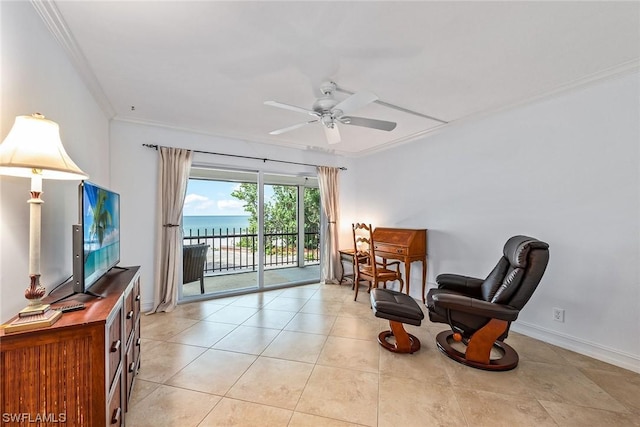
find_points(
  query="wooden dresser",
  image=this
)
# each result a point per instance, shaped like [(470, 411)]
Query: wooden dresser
[(406, 245), (80, 371)]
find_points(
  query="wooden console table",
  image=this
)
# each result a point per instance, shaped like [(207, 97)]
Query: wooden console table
[(406, 245), (79, 371)]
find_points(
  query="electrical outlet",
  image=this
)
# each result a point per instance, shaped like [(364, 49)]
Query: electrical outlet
[(558, 314)]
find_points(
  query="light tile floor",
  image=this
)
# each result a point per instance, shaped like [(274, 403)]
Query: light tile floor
[(234, 281), (308, 356)]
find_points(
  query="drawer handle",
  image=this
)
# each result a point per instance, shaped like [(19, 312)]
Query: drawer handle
[(115, 418), (115, 346), (138, 341), (138, 297), (399, 251), (130, 314), (132, 366)]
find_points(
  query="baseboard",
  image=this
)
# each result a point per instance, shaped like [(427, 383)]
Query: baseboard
[(146, 307), (597, 351)]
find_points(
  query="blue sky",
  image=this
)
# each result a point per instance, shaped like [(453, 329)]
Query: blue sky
[(214, 198)]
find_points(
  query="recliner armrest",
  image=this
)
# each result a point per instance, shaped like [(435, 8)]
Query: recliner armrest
[(475, 306), (456, 282)]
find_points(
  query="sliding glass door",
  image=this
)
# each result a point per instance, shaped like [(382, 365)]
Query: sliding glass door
[(262, 230), (214, 215)]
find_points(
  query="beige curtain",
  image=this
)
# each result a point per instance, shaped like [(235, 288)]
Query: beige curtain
[(328, 181), (174, 166)]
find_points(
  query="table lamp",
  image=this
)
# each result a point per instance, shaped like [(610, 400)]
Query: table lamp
[(33, 149)]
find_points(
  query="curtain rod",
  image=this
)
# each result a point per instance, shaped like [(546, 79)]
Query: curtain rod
[(155, 146)]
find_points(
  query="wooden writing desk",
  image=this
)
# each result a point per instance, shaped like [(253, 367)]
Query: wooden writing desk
[(406, 245)]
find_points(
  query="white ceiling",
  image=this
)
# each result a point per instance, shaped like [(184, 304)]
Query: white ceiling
[(209, 66)]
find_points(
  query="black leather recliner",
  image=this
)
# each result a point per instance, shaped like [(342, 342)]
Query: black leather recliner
[(481, 311)]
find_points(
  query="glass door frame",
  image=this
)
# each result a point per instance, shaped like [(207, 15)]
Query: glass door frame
[(260, 271)]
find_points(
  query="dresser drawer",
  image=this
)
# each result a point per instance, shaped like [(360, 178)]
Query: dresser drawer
[(137, 342), (390, 249), (136, 298), (115, 413), (129, 315), (130, 367), (115, 345)]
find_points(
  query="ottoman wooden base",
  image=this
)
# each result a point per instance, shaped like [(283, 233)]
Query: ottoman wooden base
[(405, 342)]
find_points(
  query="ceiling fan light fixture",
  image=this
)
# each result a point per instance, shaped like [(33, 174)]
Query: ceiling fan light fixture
[(327, 120), (332, 134), (329, 112)]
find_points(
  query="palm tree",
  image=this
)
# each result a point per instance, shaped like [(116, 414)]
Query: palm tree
[(101, 217)]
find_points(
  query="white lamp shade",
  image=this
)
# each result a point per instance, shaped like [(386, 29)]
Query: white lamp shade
[(34, 143)]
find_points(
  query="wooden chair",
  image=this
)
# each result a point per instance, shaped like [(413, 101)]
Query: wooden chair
[(193, 259), (367, 268)]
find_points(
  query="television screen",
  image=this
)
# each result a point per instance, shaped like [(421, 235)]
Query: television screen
[(100, 218)]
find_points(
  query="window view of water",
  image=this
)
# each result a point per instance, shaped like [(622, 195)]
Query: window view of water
[(204, 224)]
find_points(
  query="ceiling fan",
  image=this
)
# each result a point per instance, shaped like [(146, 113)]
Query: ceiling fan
[(329, 112)]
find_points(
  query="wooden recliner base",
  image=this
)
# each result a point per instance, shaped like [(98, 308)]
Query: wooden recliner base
[(478, 353), (405, 342)]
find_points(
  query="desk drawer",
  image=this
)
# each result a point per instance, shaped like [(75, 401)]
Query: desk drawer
[(390, 249)]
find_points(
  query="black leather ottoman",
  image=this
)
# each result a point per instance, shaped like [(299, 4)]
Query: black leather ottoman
[(398, 308)]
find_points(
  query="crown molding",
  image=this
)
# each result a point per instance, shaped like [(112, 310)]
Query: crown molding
[(617, 71), (52, 18), (227, 136)]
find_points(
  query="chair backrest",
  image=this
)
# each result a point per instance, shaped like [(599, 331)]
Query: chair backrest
[(363, 245), (193, 260), (517, 273)]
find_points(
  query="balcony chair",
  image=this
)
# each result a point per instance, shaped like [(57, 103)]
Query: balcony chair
[(480, 312), (366, 266), (194, 258)]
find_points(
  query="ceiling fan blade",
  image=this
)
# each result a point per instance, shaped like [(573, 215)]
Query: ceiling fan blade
[(287, 129), (290, 107), (368, 123), (356, 101), (332, 134)]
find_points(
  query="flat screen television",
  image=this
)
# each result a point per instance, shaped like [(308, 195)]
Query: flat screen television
[(96, 239)]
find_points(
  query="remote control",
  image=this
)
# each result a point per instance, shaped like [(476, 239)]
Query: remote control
[(70, 307)]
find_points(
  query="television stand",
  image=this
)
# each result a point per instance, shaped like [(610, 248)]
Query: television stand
[(84, 366)]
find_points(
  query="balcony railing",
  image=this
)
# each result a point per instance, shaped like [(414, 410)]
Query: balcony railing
[(237, 250)]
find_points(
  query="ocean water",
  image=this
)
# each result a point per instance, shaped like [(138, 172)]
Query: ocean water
[(205, 224)]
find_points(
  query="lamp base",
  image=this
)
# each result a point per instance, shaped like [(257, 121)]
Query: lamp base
[(34, 294)]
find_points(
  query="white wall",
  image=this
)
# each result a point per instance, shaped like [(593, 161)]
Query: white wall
[(564, 170), (134, 175), (37, 77)]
